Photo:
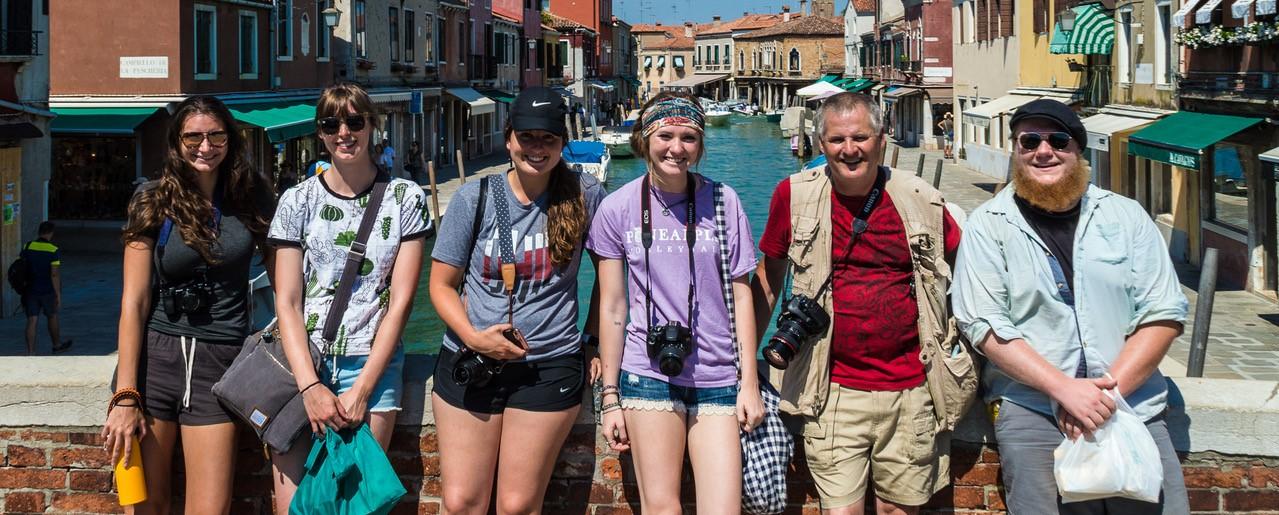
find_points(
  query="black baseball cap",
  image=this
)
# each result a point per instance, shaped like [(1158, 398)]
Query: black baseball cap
[(1056, 112), (539, 108)]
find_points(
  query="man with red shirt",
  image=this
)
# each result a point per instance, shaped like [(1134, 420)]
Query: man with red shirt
[(860, 384)]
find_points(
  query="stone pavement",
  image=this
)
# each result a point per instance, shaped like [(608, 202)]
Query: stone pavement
[(1244, 336)]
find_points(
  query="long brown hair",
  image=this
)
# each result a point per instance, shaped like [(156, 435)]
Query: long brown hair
[(566, 213), (176, 195)]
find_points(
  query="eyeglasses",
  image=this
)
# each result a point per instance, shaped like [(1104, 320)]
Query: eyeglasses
[(194, 139), (1031, 140), (330, 125)]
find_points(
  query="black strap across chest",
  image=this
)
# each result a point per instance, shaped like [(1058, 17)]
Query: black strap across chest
[(690, 237)]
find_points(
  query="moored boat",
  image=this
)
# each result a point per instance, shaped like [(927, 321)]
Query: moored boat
[(588, 157), (718, 116), (618, 141), (773, 116)]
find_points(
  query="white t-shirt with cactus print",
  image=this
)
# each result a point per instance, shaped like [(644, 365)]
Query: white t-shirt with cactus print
[(323, 224)]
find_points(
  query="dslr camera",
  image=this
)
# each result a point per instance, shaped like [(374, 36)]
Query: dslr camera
[(669, 344), (189, 299), (471, 368), (801, 321)]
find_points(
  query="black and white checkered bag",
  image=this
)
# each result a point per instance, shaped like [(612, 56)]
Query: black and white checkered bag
[(767, 450)]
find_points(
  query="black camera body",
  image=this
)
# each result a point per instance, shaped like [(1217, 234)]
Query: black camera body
[(669, 344), (801, 321), (189, 299), (471, 368)]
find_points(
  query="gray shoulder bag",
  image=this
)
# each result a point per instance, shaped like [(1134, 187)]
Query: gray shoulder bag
[(259, 386)]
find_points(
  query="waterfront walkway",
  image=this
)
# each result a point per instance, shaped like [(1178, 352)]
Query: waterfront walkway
[(1244, 341)]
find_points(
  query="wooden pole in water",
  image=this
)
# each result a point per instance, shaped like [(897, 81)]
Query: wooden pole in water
[(461, 170), (919, 168), (435, 194)]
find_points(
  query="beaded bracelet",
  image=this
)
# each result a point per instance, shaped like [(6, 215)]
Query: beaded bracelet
[(609, 388), (612, 406), (123, 394)]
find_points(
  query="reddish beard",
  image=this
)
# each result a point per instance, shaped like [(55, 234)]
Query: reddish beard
[(1058, 196)]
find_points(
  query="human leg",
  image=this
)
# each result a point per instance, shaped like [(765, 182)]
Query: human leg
[(837, 446), (910, 461), (715, 450), (522, 476), (657, 426), (1026, 443), (55, 333), (1173, 498), (157, 461), (31, 335), (209, 453), (287, 470), (468, 455)]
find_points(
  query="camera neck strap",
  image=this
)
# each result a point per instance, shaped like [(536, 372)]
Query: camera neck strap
[(354, 260), (166, 232), (506, 247), (690, 237), (860, 223)]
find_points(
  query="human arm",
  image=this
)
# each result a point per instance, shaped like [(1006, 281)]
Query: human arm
[(612, 312), (322, 407), (750, 406), (593, 329), (126, 421), (770, 273), (442, 287), (765, 287)]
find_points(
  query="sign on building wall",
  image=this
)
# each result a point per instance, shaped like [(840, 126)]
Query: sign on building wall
[(144, 67), (937, 71), (1145, 73)]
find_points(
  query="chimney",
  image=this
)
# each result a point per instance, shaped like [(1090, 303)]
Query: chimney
[(785, 13), (803, 7), (824, 8), (688, 29), (715, 21)]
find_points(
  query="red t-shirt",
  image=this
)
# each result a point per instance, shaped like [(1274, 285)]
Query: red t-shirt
[(876, 340)]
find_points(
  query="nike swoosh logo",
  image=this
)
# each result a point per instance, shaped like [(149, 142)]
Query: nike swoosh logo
[(540, 104), (565, 389)]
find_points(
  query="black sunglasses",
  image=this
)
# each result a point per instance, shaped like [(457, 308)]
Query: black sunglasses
[(194, 139), (1031, 140), (330, 125)]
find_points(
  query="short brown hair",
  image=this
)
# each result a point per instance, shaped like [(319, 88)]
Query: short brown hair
[(341, 98)]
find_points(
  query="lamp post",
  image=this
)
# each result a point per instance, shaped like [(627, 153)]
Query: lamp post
[(1067, 18), (331, 16)]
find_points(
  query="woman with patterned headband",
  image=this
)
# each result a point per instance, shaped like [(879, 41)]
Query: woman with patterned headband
[(670, 381)]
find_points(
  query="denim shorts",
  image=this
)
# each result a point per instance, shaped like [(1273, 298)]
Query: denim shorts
[(386, 393), (645, 393)]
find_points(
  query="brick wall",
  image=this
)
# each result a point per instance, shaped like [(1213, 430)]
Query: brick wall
[(65, 470)]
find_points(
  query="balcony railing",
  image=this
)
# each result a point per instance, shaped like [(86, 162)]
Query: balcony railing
[(19, 42), (1248, 84)]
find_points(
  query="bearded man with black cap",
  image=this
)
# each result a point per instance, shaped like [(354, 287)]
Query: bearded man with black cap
[(1069, 292)]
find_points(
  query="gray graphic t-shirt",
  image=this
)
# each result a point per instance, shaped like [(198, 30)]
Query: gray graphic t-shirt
[(545, 295), (323, 224)]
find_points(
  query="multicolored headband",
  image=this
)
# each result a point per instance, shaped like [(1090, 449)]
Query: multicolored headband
[(673, 112)]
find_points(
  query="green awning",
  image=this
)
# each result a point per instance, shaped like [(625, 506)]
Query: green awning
[(860, 85), (1094, 33), (498, 95), (831, 78), (843, 83), (281, 120), (99, 120), (1180, 138)]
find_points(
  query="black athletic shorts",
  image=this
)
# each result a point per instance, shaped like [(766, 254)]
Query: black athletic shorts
[(164, 381), (548, 385)]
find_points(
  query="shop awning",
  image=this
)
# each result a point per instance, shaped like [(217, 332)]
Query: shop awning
[(1239, 9), (1094, 33), (1203, 16), (982, 114), (631, 79), (99, 120), (480, 104), (498, 95), (1179, 17), (1265, 7), (1270, 156), (1102, 125), (818, 88), (859, 85), (281, 120), (830, 77), (1180, 138), (599, 84), (695, 80), (896, 92)]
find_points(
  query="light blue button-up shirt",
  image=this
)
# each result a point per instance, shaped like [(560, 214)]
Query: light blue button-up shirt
[(1123, 279)]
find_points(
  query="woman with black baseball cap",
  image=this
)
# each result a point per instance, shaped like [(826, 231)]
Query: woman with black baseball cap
[(511, 369)]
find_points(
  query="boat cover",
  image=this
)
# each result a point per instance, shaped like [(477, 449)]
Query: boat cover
[(585, 152)]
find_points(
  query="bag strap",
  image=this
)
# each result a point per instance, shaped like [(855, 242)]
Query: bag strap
[(354, 260), (725, 276), (475, 222)]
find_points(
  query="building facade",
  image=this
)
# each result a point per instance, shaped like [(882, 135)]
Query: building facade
[(788, 56)]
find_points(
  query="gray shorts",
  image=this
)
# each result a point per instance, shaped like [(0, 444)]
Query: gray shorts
[(1026, 443), (169, 394)]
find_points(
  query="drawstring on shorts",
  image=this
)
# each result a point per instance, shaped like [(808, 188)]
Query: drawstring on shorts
[(188, 359)]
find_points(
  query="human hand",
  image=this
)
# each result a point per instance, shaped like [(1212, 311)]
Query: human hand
[(123, 423), (594, 367), (324, 409), (613, 425), (1086, 402), (1070, 426), (355, 404), (492, 343), (750, 408)]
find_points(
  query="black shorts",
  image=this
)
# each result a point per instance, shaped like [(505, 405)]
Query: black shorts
[(548, 385), (164, 382), (34, 305)]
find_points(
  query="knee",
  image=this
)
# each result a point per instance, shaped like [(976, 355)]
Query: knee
[(512, 503), (461, 501)]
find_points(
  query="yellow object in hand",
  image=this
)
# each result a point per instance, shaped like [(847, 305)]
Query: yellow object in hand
[(129, 481)]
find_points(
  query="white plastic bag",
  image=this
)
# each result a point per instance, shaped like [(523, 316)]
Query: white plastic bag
[(1119, 460)]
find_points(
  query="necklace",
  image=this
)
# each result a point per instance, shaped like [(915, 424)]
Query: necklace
[(666, 208)]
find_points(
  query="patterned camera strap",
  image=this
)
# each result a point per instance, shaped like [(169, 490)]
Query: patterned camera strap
[(506, 247), (726, 276)]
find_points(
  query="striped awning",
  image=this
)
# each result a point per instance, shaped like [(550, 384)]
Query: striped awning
[(1204, 14), (1179, 17), (1094, 33), (1240, 9), (1265, 7)]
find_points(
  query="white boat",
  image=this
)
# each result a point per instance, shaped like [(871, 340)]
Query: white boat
[(718, 116), (618, 141), (746, 110), (588, 157)]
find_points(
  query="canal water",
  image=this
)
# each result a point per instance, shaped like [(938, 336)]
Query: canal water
[(749, 155)]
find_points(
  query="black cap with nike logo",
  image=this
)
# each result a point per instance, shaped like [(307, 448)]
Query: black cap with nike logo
[(539, 108)]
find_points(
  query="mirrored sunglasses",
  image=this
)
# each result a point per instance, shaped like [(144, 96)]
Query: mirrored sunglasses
[(1031, 140), (194, 139), (330, 125)]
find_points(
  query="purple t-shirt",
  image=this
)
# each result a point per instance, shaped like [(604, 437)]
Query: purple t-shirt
[(615, 234)]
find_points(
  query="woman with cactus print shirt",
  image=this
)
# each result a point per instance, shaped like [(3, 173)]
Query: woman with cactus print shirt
[(313, 228)]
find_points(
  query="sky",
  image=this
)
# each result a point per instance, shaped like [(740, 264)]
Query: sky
[(673, 12)]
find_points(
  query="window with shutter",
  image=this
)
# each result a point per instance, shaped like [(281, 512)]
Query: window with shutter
[(983, 20), (1006, 17), (1041, 16)]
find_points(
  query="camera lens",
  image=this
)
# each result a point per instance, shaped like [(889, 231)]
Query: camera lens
[(671, 361), (471, 370), (779, 352)]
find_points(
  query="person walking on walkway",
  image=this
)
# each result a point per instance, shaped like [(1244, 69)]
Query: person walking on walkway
[(858, 383), (414, 165), (1069, 292), (184, 312), (361, 375), (44, 293), (509, 378), (670, 382), (947, 126)]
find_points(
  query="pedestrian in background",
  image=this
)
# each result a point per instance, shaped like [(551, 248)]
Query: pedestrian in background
[(361, 375), (1069, 291), (44, 293), (414, 165), (670, 379), (387, 157), (184, 312)]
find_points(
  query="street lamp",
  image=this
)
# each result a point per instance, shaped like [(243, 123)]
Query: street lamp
[(1067, 18), (331, 16)]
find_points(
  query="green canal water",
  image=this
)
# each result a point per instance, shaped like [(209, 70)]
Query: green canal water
[(749, 154)]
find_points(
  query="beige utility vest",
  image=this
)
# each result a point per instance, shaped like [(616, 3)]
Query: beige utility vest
[(805, 384)]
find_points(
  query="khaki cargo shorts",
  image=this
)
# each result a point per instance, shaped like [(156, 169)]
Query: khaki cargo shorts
[(890, 436)]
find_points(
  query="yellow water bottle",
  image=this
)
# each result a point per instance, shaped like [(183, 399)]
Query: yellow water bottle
[(129, 481)]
